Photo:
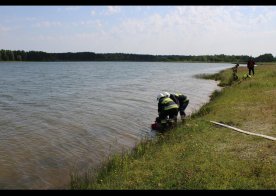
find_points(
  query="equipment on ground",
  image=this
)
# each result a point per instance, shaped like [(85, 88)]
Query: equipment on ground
[(158, 126), (242, 131)]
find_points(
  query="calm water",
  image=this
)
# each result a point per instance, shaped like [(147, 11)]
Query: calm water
[(60, 116)]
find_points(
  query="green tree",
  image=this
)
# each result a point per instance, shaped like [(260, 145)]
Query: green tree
[(265, 58), (18, 57), (11, 55), (5, 57)]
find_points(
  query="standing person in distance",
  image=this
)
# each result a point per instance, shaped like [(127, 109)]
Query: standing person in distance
[(250, 66)]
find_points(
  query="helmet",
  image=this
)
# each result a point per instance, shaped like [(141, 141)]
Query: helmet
[(160, 95), (167, 94)]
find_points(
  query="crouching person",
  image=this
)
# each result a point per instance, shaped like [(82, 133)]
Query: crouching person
[(166, 107), (181, 100)]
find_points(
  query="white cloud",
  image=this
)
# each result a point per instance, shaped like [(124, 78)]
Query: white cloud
[(47, 24), (89, 23), (93, 12), (4, 29), (30, 19), (190, 30), (112, 10), (72, 8), (44, 38), (199, 30)]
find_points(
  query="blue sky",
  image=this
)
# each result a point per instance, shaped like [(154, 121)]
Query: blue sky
[(157, 30)]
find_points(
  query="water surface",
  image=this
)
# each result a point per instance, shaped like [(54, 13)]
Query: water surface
[(57, 116)]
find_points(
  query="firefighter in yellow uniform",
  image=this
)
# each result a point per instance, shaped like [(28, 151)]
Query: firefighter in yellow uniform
[(166, 107), (181, 100)]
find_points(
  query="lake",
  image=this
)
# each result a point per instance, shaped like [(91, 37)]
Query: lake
[(57, 117)]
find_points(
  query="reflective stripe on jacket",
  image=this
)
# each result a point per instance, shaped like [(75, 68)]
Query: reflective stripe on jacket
[(181, 98), (166, 104)]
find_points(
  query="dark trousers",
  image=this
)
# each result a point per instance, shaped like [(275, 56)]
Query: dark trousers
[(183, 103), (251, 69), (172, 113), (182, 106)]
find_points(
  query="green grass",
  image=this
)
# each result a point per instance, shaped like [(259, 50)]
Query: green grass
[(199, 154)]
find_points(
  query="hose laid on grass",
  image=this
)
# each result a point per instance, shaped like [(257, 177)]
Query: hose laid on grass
[(246, 132)]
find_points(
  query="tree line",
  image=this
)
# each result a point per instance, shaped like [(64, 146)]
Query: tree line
[(20, 55)]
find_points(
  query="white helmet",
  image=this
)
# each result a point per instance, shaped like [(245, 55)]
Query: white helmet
[(160, 95), (167, 94)]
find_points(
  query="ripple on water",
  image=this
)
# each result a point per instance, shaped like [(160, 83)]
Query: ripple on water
[(57, 117)]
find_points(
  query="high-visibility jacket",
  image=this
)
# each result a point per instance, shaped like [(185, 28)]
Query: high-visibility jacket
[(166, 103), (179, 98)]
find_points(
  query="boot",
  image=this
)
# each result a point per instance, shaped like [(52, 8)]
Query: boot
[(170, 123), (163, 127), (175, 119)]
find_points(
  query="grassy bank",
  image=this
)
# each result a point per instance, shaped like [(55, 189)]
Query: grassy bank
[(201, 155)]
